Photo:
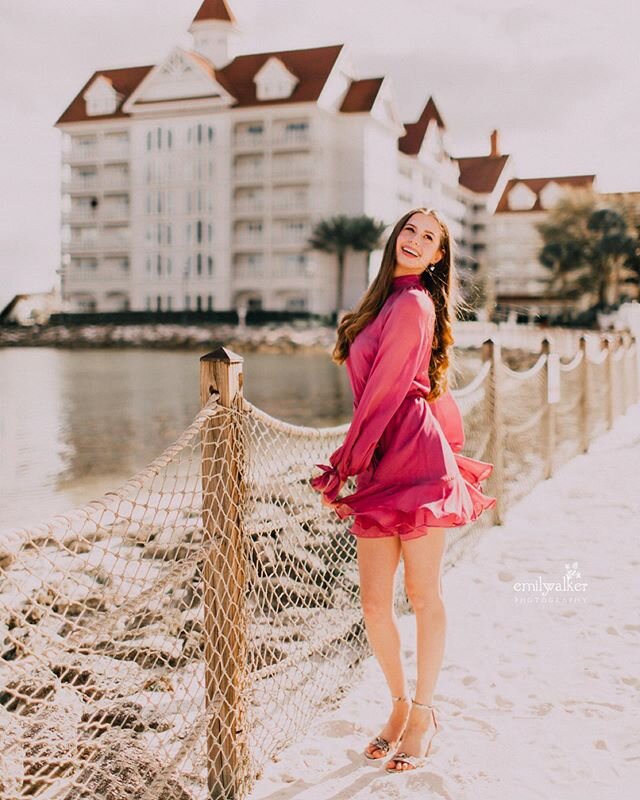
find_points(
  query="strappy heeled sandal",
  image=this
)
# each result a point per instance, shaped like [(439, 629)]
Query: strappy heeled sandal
[(380, 743), (414, 762)]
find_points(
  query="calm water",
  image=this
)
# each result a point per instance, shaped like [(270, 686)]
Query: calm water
[(74, 424)]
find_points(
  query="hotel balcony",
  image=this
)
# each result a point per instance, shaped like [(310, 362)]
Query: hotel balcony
[(115, 152), (116, 181), (248, 240), (115, 213), (249, 206), (285, 139), (295, 174), (290, 272), (80, 216), (79, 183), (82, 246), (99, 244), (249, 176), (246, 274), (82, 155), (249, 141), (291, 206)]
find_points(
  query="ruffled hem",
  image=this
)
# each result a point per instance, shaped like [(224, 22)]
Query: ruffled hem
[(409, 509)]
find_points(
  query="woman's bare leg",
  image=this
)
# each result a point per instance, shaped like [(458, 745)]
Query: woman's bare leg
[(423, 582), (378, 561)]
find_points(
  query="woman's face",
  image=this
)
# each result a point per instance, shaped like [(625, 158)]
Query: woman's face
[(418, 244)]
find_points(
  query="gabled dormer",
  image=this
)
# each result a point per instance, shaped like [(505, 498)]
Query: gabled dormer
[(521, 197), (182, 77), (274, 81), (101, 98), (550, 194)]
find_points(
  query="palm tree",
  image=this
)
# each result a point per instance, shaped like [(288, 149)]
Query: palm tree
[(339, 233)]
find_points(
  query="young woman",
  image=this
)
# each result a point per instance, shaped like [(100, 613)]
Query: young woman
[(412, 482)]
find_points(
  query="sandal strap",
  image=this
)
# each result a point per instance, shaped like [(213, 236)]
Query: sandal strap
[(380, 743), (421, 705), (405, 758), (398, 697)]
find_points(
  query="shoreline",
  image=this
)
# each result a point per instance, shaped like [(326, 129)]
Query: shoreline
[(273, 337)]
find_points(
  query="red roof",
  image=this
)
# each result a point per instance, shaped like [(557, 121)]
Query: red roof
[(124, 81), (214, 9), (537, 185), (361, 95), (311, 67), (411, 142), (481, 173)]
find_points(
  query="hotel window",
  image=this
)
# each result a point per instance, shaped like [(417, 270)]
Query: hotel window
[(209, 265), (296, 127), (199, 264), (209, 303), (159, 265), (169, 303), (158, 303)]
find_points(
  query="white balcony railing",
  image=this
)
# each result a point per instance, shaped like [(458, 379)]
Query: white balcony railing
[(247, 273), (79, 183), (248, 206), (248, 239), (80, 215), (292, 138), (293, 173), (83, 153), (115, 212), (290, 271), (115, 152), (116, 181), (83, 245), (249, 175), (289, 205), (249, 140)]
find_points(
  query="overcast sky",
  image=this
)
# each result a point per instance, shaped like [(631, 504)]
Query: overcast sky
[(558, 78)]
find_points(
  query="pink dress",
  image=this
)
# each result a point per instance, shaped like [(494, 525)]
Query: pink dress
[(403, 449)]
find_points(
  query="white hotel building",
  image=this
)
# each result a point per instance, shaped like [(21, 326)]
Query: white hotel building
[(195, 183)]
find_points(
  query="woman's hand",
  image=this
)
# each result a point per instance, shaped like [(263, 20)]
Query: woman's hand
[(329, 503)]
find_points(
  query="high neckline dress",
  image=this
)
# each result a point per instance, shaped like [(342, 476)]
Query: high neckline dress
[(404, 450)]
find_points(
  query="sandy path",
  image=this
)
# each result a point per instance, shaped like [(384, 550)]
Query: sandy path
[(538, 696)]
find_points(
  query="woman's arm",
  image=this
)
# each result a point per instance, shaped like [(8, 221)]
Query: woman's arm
[(405, 344)]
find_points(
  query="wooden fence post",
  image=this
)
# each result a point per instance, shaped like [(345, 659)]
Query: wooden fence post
[(493, 400), (584, 397), (608, 364), (549, 416), (224, 575), (635, 384)]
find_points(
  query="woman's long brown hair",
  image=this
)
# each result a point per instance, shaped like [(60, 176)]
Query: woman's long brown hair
[(441, 283)]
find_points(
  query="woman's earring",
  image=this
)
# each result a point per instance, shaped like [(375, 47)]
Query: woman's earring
[(432, 267)]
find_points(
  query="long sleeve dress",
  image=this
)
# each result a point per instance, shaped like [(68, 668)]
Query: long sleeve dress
[(403, 449)]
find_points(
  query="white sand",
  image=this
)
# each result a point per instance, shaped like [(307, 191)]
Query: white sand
[(537, 699)]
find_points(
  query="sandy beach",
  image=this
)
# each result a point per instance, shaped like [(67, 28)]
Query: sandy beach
[(538, 694)]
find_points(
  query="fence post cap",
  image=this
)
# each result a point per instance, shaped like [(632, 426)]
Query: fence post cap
[(222, 354)]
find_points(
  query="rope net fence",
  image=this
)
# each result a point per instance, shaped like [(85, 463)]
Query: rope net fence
[(167, 640)]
